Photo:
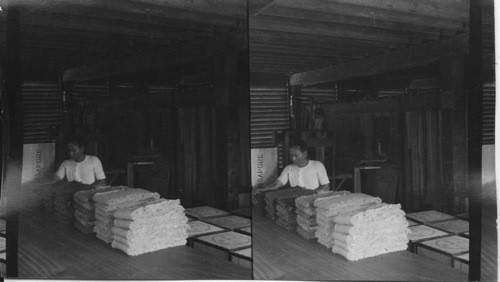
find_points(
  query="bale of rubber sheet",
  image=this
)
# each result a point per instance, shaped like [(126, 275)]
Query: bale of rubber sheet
[(107, 203), (328, 207), (150, 227), (370, 231)]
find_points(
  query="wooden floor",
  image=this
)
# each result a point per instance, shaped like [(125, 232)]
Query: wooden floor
[(284, 255), (50, 250), (489, 241)]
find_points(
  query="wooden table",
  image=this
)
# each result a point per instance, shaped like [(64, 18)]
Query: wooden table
[(50, 250), (279, 254)]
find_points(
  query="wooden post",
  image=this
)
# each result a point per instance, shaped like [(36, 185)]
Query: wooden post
[(454, 132), (401, 149), (12, 133), (130, 174), (474, 145), (12, 240), (357, 179), (228, 147), (295, 104)]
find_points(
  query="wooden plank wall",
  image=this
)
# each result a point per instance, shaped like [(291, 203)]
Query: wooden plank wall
[(423, 161), (420, 184), (197, 183), (185, 141)]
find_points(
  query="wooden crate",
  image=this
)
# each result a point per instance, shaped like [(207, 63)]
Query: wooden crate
[(205, 212), (242, 257), (230, 222), (461, 262), (221, 244), (455, 226), (443, 249), (429, 216)]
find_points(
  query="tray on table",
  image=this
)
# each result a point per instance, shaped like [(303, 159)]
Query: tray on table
[(443, 249)]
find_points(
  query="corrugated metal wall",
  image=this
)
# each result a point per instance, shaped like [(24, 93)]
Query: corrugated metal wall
[(489, 113), (269, 113), (269, 109), (42, 111)]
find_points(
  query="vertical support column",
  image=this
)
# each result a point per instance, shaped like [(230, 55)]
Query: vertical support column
[(454, 133), (244, 127), (474, 141), (12, 129), (67, 126), (404, 194), (228, 131), (12, 239), (11, 96), (295, 106)]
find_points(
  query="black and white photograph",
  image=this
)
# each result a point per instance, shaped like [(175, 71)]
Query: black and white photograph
[(318, 140)]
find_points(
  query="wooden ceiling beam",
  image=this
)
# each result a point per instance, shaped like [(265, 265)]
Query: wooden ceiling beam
[(440, 9), (230, 8), (335, 30), (233, 8), (291, 67), (116, 27), (338, 18), (341, 31), (372, 13), (396, 60), (178, 18), (303, 51), (292, 64), (314, 49), (258, 7), (278, 36), (57, 34), (184, 54)]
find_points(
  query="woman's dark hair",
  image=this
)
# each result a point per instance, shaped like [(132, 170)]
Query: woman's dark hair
[(78, 140), (299, 144)]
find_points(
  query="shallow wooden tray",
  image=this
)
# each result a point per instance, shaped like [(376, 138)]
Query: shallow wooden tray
[(429, 216), (230, 222), (205, 212), (455, 226)]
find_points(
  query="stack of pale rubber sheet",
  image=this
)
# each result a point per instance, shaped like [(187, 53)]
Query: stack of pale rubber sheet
[(64, 205), (285, 212), (306, 213), (150, 227), (260, 205), (85, 208), (106, 204), (329, 207), (272, 197), (370, 231)]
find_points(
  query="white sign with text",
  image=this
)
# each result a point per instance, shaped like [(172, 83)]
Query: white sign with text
[(264, 166)]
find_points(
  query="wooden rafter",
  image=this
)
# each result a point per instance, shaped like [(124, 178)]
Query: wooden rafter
[(257, 9), (337, 30), (373, 11), (143, 62), (233, 8), (395, 60)]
